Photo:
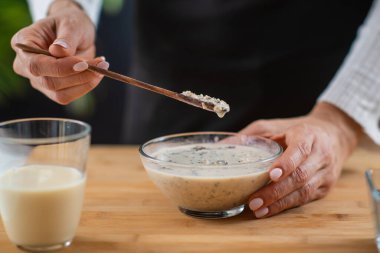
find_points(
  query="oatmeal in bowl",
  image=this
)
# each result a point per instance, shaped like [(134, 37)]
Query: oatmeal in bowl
[(209, 174)]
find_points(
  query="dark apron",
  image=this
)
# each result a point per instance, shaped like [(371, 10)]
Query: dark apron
[(266, 58)]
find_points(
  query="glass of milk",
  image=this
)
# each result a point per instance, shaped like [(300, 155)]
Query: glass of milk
[(42, 180), (209, 174)]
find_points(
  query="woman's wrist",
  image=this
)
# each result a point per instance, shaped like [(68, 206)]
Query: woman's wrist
[(59, 5), (347, 129)]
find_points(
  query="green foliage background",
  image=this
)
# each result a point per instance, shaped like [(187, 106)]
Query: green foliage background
[(14, 15)]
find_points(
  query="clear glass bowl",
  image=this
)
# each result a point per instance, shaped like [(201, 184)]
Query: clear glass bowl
[(209, 174)]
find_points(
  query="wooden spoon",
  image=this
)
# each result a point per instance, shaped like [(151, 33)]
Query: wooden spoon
[(205, 102)]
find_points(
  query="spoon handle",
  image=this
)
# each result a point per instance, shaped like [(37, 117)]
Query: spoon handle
[(132, 81)]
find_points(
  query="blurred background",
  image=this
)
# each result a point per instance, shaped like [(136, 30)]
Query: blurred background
[(289, 55), (102, 108)]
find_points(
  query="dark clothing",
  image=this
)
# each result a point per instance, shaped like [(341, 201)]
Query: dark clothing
[(266, 58)]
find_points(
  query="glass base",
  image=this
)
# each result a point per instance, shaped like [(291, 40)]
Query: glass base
[(213, 214), (45, 248)]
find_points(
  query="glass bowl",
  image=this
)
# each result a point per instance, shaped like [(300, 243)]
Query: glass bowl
[(209, 174)]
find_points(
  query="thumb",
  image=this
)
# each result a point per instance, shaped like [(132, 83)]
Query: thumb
[(66, 43)]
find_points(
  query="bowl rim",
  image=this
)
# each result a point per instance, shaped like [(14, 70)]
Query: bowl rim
[(162, 138)]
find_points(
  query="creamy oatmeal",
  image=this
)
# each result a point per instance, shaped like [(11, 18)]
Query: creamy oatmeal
[(219, 106), (209, 177)]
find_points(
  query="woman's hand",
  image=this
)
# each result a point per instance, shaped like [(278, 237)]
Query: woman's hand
[(315, 146), (69, 35)]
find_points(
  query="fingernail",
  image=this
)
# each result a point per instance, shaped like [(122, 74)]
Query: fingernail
[(275, 174), (61, 42), (103, 58), (103, 65), (261, 212), (80, 66), (256, 204)]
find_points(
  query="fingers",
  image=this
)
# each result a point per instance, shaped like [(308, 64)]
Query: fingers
[(299, 141), (69, 39), (308, 182), (45, 66), (62, 48), (275, 191), (30, 37), (66, 96), (57, 84), (310, 191), (64, 90), (18, 68), (87, 53), (42, 65)]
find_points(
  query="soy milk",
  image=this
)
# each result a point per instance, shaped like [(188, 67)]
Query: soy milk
[(40, 205)]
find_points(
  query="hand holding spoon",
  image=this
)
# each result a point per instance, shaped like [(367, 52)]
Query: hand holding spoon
[(205, 102)]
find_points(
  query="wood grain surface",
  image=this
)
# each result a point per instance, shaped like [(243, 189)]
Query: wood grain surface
[(124, 212)]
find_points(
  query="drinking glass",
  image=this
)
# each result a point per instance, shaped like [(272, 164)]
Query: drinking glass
[(42, 180), (373, 182)]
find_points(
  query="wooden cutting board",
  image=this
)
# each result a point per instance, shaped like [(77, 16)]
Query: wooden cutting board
[(124, 212)]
